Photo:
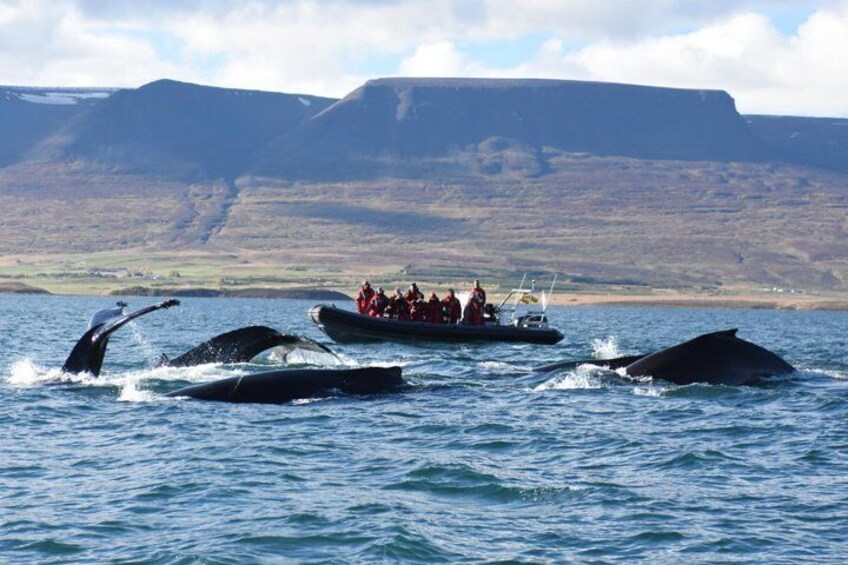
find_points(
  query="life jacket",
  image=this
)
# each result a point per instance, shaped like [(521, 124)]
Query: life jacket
[(378, 306), (398, 308)]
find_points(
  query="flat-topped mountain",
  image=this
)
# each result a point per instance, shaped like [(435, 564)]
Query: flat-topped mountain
[(397, 127), (182, 129), (401, 125), (443, 177)]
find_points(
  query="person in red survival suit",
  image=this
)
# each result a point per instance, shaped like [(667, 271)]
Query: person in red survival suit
[(379, 303), (398, 307), (478, 291), (366, 294), (418, 310), (473, 314), (414, 294), (434, 309), (452, 308)]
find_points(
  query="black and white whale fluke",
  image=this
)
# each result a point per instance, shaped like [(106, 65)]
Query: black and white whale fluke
[(242, 345), (277, 387), (714, 358), (87, 354)]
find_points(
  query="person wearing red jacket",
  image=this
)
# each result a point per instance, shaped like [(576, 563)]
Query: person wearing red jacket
[(366, 294), (414, 294), (379, 303), (434, 309), (452, 308), (398, 306), (418, 310), (477, 291)]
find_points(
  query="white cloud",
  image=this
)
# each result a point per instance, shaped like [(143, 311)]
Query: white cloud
[(765, 71), (330, 47), (434, 60)]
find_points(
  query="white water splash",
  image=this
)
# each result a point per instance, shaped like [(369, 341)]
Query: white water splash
[(147, 350), (654, 391), (606, 348), (355, 364), (583, 377), (25, 372), (130, 392), (831, 373)]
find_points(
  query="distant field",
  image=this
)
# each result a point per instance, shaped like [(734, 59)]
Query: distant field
[(606, 223)]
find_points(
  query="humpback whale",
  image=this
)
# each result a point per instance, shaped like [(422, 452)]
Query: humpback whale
[(87, 354), (276, 387), (242, 345), (714, 358), (271, 387)]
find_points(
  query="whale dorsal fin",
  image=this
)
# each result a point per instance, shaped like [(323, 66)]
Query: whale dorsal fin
[(723, 333)]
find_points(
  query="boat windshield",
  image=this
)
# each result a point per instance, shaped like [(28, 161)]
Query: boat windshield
[(525, 307)]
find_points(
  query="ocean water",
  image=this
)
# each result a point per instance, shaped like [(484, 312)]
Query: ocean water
[(476, 460)]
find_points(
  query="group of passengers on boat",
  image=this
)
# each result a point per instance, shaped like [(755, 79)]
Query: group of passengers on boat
[(411, 306)]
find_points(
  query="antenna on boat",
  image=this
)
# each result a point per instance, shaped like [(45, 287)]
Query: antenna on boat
[(523, 278), (550, 293)]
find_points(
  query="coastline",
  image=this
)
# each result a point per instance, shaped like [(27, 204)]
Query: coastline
[(614, 298), (741, 300)]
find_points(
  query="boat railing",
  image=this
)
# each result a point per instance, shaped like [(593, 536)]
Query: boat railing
[(524, 307)]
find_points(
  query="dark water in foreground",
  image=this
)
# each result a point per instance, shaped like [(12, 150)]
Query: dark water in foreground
[(478, 460)]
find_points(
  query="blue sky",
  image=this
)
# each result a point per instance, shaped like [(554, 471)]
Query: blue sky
[(778, 56)]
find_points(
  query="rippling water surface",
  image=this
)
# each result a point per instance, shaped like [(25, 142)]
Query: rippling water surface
[(478, 459)]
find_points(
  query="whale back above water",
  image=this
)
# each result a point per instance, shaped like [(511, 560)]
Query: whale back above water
[(242, 345), (277, 387), (715, 358)]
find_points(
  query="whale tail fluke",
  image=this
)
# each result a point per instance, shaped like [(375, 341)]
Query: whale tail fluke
[(87, 355), (242, 345)]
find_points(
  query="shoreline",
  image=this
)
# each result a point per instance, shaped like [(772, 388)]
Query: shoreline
[(747, 301), (652, 299)]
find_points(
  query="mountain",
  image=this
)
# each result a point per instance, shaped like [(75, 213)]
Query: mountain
[(818, 142), (178, 129), (28, 115), (442, 179), (410, 126)]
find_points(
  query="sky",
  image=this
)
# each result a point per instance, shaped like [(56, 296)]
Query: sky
[(773, 57)]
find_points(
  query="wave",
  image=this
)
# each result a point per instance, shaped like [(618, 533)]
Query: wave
[(606, 348)]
